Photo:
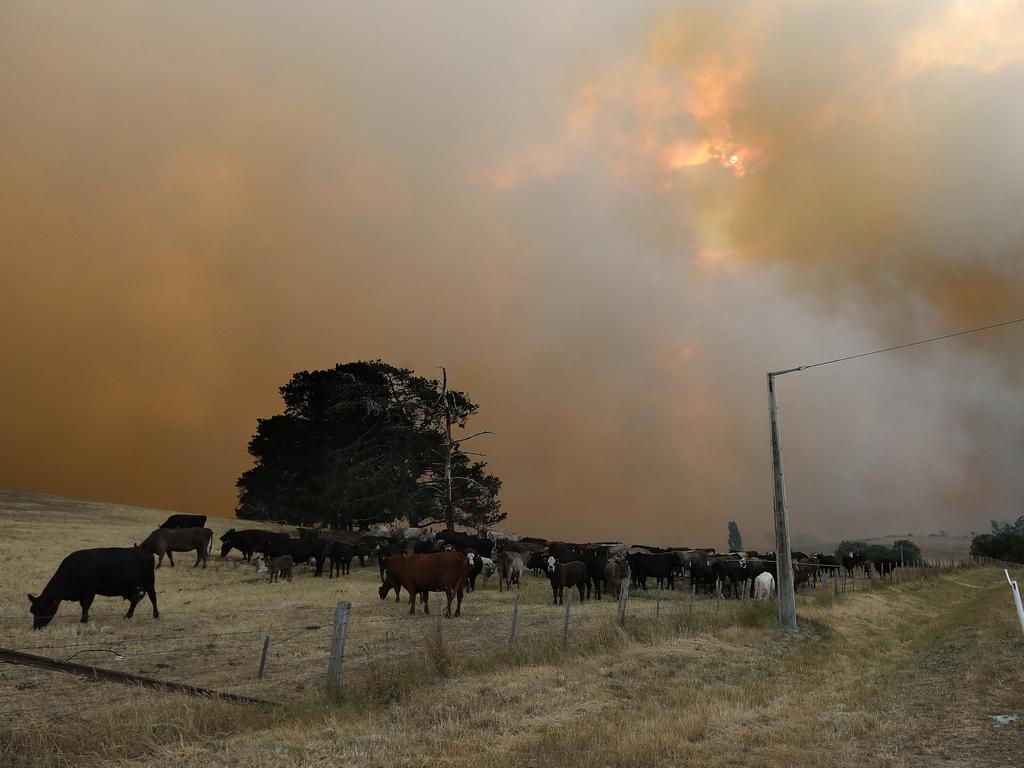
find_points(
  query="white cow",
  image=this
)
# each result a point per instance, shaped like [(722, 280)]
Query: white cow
[(764, 586)]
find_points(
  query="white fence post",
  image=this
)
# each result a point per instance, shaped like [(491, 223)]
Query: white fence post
[(1016, 598)]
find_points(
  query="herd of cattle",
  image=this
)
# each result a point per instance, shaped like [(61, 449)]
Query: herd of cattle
[(419, 562)]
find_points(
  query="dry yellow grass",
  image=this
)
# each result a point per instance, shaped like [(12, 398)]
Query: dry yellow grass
[(903, 674)]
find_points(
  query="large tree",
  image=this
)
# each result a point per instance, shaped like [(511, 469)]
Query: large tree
[(735, 540), (364, 443)]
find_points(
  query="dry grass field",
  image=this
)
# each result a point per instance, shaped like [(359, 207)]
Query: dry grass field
[(896, 674)]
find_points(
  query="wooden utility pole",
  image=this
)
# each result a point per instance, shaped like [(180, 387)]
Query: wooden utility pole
[(783, 552), (449, 509)]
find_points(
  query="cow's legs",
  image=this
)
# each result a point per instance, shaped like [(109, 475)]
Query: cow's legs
[(458, 605), (170, 558), (86, 603), (450, 594), (199, 556), (133, 601), (412, 601), (151, 593), (425, 599), (580, 588)]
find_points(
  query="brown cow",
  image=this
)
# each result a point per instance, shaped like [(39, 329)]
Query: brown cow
[(446, 572), (277, 567), (616, 572), (164, 541)]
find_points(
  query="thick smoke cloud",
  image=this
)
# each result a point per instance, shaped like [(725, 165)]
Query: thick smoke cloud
[(607, 221)]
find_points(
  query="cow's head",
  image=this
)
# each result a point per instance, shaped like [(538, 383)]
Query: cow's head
[(43, 610), (552, 564), (384, 589), (471, 557), (225, 547)]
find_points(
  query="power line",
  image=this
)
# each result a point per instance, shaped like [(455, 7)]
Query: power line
[(912, 344)]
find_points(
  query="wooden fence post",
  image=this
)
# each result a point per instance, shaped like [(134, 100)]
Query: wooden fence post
[(623, 600), (338, 635), (263, 658), (565, 622), (689, 612), (515, 617)]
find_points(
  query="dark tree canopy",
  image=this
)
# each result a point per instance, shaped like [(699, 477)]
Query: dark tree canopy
[(364, 443), (1006, 542)]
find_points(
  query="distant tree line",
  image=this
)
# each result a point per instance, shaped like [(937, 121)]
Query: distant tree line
[(904, 551), (1006, 542), (366, 443)]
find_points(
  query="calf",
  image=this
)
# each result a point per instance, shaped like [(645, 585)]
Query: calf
[(278, 566), (563, 575), (164, 541), (110, 572)]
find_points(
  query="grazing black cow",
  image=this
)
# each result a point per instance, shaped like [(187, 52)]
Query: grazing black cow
[(886, 566), (702, 575), (661, 566), (537, 562), (385, 549), (851, 560), (301, 550), (564, 552), (423, 547), (246, 541), (184, 521), (341, 554), (111, 572), (729, 571), (561, 575), (595, 560), (463, 542)]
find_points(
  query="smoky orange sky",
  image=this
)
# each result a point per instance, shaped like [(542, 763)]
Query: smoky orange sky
[(607, 219)]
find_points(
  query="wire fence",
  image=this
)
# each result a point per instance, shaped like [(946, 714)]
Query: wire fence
[(291, 656)]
